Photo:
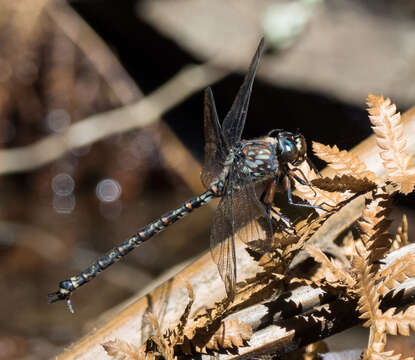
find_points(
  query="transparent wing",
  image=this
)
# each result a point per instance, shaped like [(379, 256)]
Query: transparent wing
[(255, 224), (215, 144), (235, 119), (238, 217), (222, 243)]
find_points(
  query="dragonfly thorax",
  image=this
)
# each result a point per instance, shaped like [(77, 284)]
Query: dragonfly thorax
[(267, 156), (259, 157)]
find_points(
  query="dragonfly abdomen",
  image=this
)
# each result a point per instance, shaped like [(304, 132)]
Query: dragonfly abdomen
[(67, 286)]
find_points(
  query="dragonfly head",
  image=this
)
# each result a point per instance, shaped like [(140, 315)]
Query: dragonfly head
[(292, 148)]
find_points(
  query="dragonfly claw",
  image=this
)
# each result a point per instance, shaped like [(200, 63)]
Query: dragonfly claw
[(62, 294)]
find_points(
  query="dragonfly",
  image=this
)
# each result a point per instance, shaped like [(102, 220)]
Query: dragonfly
[(232, 168)]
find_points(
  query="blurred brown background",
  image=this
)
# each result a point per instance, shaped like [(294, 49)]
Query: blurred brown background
[(63, 62)]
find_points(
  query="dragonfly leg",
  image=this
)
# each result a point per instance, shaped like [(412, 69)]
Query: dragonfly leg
[(305, 182), (285, 220), (311, 164), (269, 194), (287, 186), (268, 200)]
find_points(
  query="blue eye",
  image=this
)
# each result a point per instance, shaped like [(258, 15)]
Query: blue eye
[(288, 150), (288, 146)]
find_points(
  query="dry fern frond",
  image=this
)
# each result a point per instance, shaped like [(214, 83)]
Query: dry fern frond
[(397, 272), (374, 224), (343, 162), (344, 183), (387, 126), (122, 350), (231, 334), (387, 355), (163, 345), (399, 323), (368, 303), (304, 233), (337, 273), (185, 316), (401, 237), (314, 195)]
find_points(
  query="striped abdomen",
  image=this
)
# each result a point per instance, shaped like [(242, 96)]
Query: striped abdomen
[(67, 286)]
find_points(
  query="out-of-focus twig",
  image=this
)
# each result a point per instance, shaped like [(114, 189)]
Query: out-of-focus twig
[(95, 49), (97, 127), (144, 112), (123, 86), (25, 15)]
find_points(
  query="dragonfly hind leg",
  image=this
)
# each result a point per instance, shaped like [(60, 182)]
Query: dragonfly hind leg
[(268, 199)]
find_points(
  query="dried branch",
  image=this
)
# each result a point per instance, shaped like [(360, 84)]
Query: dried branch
[(368, 297), (122, 350), (397, 272), (314, 195)]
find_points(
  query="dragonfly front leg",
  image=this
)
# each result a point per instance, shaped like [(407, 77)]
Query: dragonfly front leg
[(305, 182), (286, 182)]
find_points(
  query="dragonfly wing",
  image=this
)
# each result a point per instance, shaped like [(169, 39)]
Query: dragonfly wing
[(254, 224), (238, 217), (234, 122), (215, 144), (222, 243)]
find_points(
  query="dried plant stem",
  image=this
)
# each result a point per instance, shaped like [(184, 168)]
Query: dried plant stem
[(272, 321), (278, 325)]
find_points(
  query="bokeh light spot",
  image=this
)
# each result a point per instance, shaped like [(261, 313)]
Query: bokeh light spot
[(58, 120), (108, 190), (63, 184), (64, 204)]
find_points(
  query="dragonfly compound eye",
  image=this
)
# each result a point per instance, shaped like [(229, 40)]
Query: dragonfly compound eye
[(301, 146), (292, 148), (288, 149)]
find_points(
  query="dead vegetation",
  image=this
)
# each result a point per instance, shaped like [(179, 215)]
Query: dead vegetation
[(357, 275)]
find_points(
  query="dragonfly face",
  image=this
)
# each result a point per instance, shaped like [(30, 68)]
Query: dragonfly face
[(292, 148)]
